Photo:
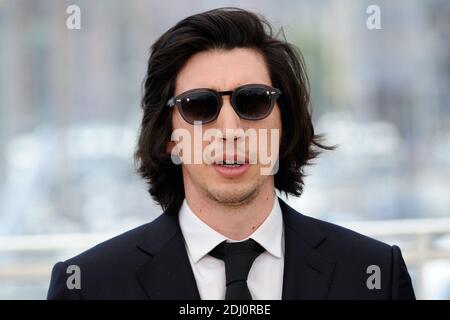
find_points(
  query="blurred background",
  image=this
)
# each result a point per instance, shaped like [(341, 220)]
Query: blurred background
[(70, 114)]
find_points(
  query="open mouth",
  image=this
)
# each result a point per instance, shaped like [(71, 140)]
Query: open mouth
[(231, 160), (235, 167), (230, 164)]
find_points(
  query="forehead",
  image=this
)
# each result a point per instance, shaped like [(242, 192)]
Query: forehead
[(222, 70)]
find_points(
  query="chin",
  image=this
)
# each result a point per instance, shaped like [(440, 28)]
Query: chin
[(232, 193)]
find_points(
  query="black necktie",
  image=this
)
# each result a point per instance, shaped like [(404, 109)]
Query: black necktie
[(238, 258)]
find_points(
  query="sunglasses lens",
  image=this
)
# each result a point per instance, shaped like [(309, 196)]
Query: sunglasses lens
[(253, 102), (200, 106)]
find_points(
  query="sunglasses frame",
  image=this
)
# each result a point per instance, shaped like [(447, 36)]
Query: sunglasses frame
[(274, 93)]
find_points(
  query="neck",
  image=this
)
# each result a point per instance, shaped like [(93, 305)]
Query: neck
[(236, 222)]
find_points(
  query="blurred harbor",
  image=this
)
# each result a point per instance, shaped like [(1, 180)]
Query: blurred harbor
[(70, 114)]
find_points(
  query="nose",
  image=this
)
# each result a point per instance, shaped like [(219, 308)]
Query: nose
[(228, 119)]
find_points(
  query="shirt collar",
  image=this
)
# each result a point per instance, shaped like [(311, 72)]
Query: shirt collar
[(201, 238)]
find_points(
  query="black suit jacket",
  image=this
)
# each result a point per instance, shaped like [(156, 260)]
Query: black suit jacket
[(322, 261)]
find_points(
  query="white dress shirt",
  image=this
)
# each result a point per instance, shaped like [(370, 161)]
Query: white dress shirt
[(265, 280)]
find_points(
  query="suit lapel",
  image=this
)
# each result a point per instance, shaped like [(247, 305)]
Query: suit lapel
[(168, 273), (307, 273)]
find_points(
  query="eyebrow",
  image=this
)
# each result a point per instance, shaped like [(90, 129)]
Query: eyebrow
[(216, 88), (219, 89)]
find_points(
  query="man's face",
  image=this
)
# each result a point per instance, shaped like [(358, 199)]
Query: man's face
[(224, 70)]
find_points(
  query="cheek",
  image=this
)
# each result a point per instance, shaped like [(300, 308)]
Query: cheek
[(273, 121), (274, 132), (192, 144), (276, 117), (177, 120)]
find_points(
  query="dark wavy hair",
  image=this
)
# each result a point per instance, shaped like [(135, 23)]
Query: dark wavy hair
[(223, 28)]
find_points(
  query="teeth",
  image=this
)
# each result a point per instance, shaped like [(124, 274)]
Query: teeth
[(230, 164)]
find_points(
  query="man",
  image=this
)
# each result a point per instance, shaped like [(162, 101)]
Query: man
[(224, 233)]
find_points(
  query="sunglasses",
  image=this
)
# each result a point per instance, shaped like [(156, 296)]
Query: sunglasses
[(250, 102)]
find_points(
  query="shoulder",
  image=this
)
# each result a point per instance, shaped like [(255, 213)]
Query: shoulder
[(117, 258), (130, 244), (334, 240), (121, 245), (342, 237), (355, 258)]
